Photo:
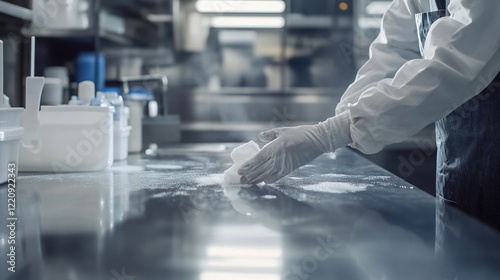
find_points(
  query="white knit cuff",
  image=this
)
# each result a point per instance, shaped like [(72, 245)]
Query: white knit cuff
[(337, 131)]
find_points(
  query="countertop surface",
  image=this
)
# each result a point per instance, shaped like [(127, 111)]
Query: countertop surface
[(168, 215)]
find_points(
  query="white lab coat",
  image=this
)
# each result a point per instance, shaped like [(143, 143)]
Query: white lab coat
[(397, 92)]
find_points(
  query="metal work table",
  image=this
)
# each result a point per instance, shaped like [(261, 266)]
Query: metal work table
[(168, 215)]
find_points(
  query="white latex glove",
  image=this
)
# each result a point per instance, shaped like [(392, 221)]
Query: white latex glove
[(294, 147)]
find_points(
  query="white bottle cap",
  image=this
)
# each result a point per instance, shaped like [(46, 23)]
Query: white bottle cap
[(153, 108), (86, 92)]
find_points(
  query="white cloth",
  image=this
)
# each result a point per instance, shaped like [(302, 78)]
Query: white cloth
[(240, 155), (397, 92), (292, 147)]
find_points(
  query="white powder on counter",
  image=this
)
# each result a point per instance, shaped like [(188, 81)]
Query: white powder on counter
[(336, 187), (212, 179), (163, 167), (127, 168)]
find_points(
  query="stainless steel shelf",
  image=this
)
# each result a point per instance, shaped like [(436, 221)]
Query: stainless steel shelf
[(89, 34), (15, 11)]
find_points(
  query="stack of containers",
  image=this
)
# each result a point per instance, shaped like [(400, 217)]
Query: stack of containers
[(11, 131)]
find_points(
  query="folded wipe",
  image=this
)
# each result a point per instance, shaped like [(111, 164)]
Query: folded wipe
[(239, 156)]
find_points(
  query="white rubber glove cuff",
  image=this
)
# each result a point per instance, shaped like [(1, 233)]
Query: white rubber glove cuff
[(337, 131)]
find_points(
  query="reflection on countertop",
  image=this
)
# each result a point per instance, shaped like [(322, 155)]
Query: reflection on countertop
[(168, 215)]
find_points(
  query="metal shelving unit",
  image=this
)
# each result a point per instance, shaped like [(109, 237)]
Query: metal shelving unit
[(90, 34), (123, 9)]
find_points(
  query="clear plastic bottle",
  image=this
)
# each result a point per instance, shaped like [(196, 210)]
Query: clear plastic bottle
[(74, 101), (116, 101), (100, 100)]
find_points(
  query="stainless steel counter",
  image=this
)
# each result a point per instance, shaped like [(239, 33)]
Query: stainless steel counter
[(169, 216)]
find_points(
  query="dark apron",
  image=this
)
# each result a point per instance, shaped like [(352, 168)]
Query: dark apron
[(468, 146)]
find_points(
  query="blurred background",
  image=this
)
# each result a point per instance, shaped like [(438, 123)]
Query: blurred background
[(208, 70)]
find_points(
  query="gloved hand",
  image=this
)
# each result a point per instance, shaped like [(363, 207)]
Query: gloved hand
[(294, 147)]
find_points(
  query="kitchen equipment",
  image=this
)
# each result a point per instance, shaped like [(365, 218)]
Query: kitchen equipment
[(11, 132), (162, 130), (64, 138)]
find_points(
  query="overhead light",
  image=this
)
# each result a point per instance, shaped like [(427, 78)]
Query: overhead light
[(254, 263), (369, 23), (220, 251), (343, 6), (248, 22), (240, 6), (378, 7)]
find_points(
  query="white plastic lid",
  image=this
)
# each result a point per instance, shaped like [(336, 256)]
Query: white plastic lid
[(70, 108), (86, 91)]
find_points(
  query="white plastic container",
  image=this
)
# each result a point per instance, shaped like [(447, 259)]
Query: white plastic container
[(11, 133), (52, 92), (120, 144), (70, 139), (135, 142)]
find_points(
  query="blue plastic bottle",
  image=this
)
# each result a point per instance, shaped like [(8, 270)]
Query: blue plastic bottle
[(86, 68)]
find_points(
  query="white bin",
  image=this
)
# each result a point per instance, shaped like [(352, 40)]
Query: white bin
[(70, 139), (11, 133)]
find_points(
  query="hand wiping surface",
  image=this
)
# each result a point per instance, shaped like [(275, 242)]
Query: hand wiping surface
[(240, 155)]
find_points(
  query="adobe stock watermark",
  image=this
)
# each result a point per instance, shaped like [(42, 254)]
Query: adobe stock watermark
[(416, 158), (407, 166), (42, 14), (221, 7), (198, 204), (155, 79), (470, 106), (309, 264), (85, 148), (281, 118), (358, 47), (121, 276)]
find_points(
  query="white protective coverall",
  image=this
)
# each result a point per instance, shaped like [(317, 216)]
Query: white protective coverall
[(400, 90)]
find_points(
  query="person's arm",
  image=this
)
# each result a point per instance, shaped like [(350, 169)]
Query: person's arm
[(396, 44), (461, 58)]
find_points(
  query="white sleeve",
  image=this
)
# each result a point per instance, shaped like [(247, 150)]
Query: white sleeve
[(395, 45), (461, 58)]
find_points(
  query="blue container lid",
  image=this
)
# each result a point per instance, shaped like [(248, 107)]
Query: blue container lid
[(140, 94), (112, 89)]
